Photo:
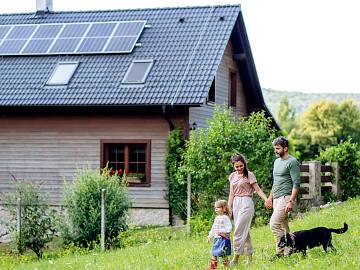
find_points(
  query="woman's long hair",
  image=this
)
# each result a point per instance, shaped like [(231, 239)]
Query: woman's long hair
[(238, 157)]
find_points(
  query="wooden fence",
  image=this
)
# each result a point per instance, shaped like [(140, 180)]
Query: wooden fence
[(315, 177)]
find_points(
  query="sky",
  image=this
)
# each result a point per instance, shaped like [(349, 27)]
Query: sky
[(298, 45)]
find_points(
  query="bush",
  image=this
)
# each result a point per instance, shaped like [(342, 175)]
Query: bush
[(177, 185), (83, 202), (208, 152), (37, 219), (347, 154)]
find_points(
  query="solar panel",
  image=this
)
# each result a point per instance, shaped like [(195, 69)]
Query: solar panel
[(47, 31), (74, 30), (21, 32), (101, 30), (4, 30), (70, 38), (92, 45), (37, 46), (125, 44), (65, 45), (12, 46)]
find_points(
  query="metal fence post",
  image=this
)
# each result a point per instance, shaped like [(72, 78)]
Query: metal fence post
[(103, 226), (188, 230)]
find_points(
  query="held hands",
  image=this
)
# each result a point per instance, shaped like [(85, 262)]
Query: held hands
[(208, 239), (268, 203)]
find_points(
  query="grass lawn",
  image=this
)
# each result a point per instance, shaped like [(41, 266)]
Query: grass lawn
[(193, 253)]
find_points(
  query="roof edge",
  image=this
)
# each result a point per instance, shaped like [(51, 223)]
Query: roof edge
[(121, 10)]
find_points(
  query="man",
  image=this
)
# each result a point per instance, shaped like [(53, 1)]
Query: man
[(286, 183)]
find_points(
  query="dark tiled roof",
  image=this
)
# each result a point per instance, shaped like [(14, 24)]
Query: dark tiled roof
[(186, 55)]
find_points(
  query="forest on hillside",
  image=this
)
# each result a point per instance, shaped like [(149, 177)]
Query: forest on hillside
[(299, 101)]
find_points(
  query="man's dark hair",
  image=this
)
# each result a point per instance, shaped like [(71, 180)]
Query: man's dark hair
[(282, 141)]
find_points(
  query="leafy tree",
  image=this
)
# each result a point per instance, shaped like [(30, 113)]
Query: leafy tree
[(208, 152), (347, 154), (37, 220), (324, 124), (286, 115), (349, 119), (177, 185), (83, 202)]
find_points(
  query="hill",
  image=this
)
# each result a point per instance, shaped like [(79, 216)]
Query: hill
[(300, 101)]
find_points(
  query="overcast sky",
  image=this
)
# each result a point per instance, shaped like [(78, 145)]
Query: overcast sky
[(298, 45)]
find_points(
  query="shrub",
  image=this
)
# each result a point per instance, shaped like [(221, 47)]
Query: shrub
[(37, 219), (208, 152), (83, 202), (177, 185), (347, 154)]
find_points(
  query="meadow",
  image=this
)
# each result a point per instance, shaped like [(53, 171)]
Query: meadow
[(182, 252)]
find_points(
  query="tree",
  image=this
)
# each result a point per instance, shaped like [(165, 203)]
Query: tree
[(37, 219), (324, 124), (83, 202), (286, 116), (208, 152)]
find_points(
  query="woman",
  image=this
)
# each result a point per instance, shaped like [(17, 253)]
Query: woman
[(242, 186)]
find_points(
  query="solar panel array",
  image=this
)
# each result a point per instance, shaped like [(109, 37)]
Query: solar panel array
[(70, 38)]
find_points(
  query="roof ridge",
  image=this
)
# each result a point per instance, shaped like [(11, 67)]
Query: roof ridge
[(118, 10)]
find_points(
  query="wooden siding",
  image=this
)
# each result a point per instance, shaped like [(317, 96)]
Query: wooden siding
[(222, 86), (50, 149)]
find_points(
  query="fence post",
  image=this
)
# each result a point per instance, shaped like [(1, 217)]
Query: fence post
[(335, 188), (18, 218), (103, 226), (315, 181), (188, 230)]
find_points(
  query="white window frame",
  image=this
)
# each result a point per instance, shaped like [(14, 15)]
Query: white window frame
[(125, 80), (66, 77)]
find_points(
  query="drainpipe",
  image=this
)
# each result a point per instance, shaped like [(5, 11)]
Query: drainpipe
[(171, 127), (166, 117)]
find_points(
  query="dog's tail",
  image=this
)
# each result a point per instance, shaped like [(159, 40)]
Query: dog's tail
[(341, 230)]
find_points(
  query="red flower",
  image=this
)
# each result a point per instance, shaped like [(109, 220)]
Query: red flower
[(120, 171)]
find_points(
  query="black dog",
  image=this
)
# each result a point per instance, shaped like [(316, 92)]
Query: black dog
[(301, 240)]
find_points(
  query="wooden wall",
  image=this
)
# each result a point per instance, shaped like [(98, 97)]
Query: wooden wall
[(222, 86), (50, 149)]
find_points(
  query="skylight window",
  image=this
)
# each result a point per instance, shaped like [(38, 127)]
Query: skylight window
[(63, 73), (138, 71)]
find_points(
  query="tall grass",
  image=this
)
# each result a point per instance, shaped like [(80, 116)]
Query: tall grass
[(193, 252)]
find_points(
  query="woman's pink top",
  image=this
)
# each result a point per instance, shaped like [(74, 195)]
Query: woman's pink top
[(241, 185)]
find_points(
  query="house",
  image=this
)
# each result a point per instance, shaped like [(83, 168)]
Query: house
[(91, 87)]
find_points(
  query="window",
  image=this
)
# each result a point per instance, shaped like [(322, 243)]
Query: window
[(211, 96), (233, 90), (131, 157), (62, 73), (138, 71)]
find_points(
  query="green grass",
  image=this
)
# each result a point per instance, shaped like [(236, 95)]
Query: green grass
[(193, 253)]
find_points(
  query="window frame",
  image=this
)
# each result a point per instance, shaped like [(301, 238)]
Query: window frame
[(211, 97), (74, 63), (233, 85), (143, 80), (147, 182)]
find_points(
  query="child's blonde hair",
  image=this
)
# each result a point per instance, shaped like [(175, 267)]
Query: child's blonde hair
[(224, 204)]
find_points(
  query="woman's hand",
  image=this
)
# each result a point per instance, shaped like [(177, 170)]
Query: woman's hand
[(268, 203)]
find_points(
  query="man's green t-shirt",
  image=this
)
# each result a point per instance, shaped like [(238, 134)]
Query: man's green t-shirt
[(286, 175)]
